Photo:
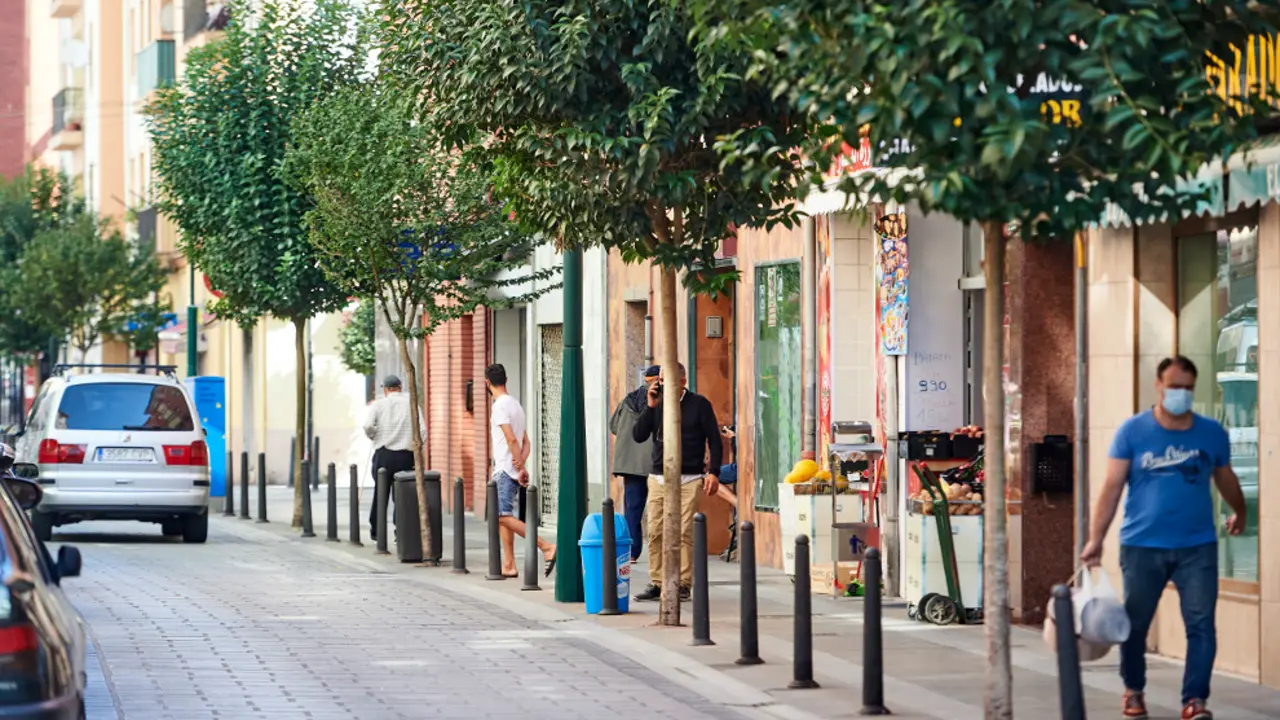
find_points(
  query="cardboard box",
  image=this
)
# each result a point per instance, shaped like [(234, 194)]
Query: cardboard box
[(822, 579)]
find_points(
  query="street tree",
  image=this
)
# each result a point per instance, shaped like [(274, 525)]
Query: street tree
[(359, 351), (953, 96), (401, 219), (84, 282), (601, 118), (219, 140)]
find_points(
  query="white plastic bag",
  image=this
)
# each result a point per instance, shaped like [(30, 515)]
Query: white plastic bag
[(1099, 613)]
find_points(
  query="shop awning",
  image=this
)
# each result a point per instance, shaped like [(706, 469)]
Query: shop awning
[(1254, 174), (1209, 178), (831, 199)]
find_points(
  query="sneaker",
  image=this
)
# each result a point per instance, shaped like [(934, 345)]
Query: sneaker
[(1135, 707), (649, 594), (1195, 710), (684, 594)]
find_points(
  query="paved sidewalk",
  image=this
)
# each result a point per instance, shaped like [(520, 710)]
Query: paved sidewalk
[(931, 672)]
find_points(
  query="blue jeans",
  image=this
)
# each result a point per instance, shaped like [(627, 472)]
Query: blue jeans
[(1194, 572), (636, 495)]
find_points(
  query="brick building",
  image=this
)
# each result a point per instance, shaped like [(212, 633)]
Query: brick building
[(14, 151)]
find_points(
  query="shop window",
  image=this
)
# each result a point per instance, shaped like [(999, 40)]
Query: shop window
[(1218, 330), (777, 384)]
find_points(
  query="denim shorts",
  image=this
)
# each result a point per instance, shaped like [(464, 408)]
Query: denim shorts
[(508, 494)]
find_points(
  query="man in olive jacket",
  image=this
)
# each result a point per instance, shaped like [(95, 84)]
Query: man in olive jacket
[(632, 461)]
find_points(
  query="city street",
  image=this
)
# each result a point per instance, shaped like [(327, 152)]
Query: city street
[(257, 625)]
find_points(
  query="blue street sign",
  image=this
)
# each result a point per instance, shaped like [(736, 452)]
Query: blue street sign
[(168, 320)]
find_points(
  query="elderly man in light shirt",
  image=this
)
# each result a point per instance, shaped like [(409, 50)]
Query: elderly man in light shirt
[(389, 425)]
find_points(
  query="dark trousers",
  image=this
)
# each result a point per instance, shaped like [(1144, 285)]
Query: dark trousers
[(394, 461), (636, 495)]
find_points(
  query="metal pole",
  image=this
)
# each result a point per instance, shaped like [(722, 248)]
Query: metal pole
[(701, 600), (244, 486), (872, 641), (810, 340), (229, 492), (802, 667), (193, 327), (354, 502), (459, 527), (293, 456), (262, 487), (572, 495), (532, 561), (435, 515), (892, 478), (1082, 401), (331, 532), (315, 462), (1070, 690), (609, 559), (382, 497), (308, 529), (495, 540), (747, 608)]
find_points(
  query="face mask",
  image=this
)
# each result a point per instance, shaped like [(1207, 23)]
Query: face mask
[(1177, 401)]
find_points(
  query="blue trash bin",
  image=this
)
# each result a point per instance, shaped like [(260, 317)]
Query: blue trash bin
[(590, 542)]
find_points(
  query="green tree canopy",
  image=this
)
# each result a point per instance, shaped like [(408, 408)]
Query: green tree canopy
[(359, 350), (84, 282)]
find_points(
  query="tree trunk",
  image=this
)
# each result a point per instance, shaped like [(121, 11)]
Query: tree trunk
[(419, 457), (669, 610), (300, 417), (999, 691)]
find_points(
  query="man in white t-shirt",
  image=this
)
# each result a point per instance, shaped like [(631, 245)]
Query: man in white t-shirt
[(511, 448)]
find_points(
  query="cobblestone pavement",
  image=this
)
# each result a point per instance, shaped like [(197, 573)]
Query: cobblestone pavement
[(257, 626)]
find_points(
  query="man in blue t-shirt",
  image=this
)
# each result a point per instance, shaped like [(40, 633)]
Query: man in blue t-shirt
[(1167, 457)]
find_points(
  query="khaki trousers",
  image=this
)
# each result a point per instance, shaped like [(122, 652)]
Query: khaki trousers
[(690, 497)]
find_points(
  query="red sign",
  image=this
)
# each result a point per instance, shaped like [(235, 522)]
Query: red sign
[(852, 160), (209, 285)]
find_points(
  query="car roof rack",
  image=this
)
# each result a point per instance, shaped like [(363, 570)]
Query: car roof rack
[(169, 370)]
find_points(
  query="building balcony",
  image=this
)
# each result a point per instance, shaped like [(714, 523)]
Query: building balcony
[(65, 8), (146, 226), (203, 20), (68, 119), (156, 68)]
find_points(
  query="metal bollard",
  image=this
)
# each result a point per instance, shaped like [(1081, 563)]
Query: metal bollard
[(308, 530), (262, 487), (495, 540), (435, 516), (748, 607), (315, 462), (244, 486), (872, 640), (293, 456), (802, 671), (608, 559), (229, 492), (331, 531), (532, 565), (1070, 689), (354, 530), (701, 599), (382, 496), (459, 527)]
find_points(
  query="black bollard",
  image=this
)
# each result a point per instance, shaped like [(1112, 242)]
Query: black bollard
[(262, 487), (802, 672), (701, 599), (382, 496), (244, 486), (315, 462), (532, 564), (354, 530), (495, 541), (1070, 689), (331, 531), (293, 456), (435, 516), (872, 640), (229, 492), (308, 530), (608, 560), (459, 527), (748, 608)]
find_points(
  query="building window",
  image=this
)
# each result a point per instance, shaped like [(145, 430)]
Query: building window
[(1218, 330), (777, 397)]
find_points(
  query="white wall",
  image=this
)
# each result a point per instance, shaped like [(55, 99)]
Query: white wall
[(934, 365), (853, 323)]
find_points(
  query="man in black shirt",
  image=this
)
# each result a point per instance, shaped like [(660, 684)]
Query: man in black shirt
[(701, 454)]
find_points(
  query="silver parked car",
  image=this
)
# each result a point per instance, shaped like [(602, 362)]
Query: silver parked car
[(118, 446)]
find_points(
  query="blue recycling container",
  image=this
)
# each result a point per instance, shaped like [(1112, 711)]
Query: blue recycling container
[(590, 541), (210, 396)]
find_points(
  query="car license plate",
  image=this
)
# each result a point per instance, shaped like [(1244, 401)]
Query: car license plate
[(126, 455)]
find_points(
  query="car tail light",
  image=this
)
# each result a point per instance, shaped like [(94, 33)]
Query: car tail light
[(196, 454), (16, 639), (21, 668), (51, 452)]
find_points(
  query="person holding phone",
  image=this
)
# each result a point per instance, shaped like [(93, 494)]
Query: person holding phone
[(1170, 458), (632, 460)]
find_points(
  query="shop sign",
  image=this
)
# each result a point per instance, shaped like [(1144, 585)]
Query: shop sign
[(852, 160), (1255, 69), (892, 273)]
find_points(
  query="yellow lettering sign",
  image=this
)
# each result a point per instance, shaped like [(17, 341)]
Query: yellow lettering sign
[(1062, 112), (1251, 72)]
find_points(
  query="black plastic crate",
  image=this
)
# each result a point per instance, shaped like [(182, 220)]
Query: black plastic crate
[(1051, 465), (927, 445), (964, 447)]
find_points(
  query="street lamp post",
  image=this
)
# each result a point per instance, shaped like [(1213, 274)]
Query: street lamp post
[(193, 322), (571, 508)]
